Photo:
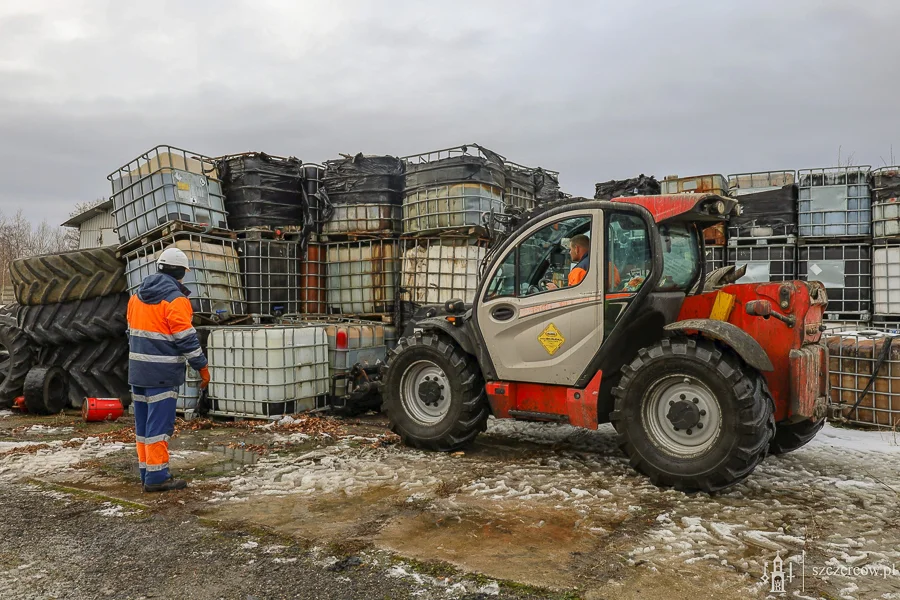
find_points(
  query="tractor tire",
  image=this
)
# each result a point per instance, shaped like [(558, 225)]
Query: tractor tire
[(16, 359), (692, 415), (45, 390), (66, 277), (791, 436), (96, 370), (434, 394), (75, 322)]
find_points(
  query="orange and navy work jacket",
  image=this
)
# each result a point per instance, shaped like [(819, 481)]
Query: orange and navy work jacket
[(576, 275), (160, 334)]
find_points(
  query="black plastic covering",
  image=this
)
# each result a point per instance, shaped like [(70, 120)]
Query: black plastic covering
[(364, 180), (263, 191), (320, 209), (773, 208), (636, 186), (546, 186), (457, 169), (886, 184)]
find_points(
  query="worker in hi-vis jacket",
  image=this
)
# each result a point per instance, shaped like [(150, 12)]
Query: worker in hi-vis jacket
[(161, 338)]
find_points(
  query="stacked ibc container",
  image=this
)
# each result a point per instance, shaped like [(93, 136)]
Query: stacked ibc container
[(764, 235), (835, 240), (453, 204), (886, 248), (714, 238)]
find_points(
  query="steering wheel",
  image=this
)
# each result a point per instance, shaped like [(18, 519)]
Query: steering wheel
[(543, 283)]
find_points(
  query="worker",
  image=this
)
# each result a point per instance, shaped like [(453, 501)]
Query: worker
[(161, 338), (580, 253)]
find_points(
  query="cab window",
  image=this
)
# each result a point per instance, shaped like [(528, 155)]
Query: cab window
[(628, 258), (681, 256)]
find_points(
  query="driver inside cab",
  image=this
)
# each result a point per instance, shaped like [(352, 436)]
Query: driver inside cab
[(580, 253)]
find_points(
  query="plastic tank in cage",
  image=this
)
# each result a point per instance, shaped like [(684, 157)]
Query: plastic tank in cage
[(885, 206), (365, 193), (267, 371), (520, 187), (853, 357), (834, 202), (214, 279), (361, 277), (435, 270), (888, 323), (189, 392), (271, 274), (768, 202), (453, 189), (846, 272), (166, 184), (765, 263), (696, 184), (886, 278), (715, 258), (262, 190)]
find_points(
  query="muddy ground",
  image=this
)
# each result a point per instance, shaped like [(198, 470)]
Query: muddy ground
[(323, 508)]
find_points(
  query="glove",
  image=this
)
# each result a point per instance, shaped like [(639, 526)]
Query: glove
[(204, 377)]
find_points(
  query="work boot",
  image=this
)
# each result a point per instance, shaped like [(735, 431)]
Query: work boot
[(166, 486)]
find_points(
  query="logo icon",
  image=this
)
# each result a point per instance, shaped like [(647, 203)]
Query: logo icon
[(778, 578), (551, 339)]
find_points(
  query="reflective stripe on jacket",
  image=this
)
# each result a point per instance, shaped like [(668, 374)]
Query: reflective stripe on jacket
[(160, 334)]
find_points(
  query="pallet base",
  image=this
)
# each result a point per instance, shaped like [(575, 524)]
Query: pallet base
[(168, 229)]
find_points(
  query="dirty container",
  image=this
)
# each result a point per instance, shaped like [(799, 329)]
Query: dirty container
[(706, 184), (453, 189), (391, 336), (765, 263), (189, 392), (268, 370), (262, 190), (319, 208), (886, 278), (520, 188), (271, 274), (312, 279), (715, 258), (768, 202), (435, 270), (834, 202), (715, 235), (214, 279), (166, 184), (853, 357), (365, 193), (846, 272), (361, 277), (885, 207)]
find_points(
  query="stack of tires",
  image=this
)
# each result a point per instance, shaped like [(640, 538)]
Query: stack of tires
[(66, 340)]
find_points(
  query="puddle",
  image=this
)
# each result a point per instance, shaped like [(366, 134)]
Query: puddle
[(229, 460)]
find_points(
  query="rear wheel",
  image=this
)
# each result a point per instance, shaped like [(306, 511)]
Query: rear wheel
[(691, 415), (791, 436), (434, 394)]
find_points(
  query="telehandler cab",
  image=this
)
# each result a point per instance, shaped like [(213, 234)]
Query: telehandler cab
[(700, 380)]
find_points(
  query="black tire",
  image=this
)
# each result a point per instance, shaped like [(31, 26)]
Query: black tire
[(66, 277), (75, 322), (96, 370), (735, 441), (45, 390), (791, 436), (16, 359), (466, 408)]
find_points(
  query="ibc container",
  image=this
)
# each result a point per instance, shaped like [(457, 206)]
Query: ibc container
[(435, 270), (715, 258), (391, 336), (765, 263), (453, 189), (361, 277), (166, 184), (845, 269), (365, 193), (852, 360), (214, 279), (271, 274), (834, 202), (189, 392), (520, 188), (267, 371), (707, 184), (319, 212), (262, 190), (715, 235), (546, 186), (887, 323), (885, 208), (312, 279), (768, 202), (886, 279)]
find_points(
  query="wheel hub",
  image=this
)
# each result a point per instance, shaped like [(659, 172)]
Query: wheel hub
[(430, 391), (425, 392), (683, 414)]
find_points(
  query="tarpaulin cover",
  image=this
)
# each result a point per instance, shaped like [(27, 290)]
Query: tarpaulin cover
[(522, 178), (773, 208), (636, 186), (456, 169), (546, 186), (364, 180), (886, 184), (263, 190)]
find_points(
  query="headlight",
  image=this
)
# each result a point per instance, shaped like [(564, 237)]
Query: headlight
[(720, 207)]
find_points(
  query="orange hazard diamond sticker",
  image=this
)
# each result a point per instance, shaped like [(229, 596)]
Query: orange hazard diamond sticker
[(551, 339)]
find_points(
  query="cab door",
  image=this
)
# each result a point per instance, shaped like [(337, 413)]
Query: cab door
[(535, 327)]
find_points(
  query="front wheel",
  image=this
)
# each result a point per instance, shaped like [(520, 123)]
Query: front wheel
[(692, 416), (433, 394)]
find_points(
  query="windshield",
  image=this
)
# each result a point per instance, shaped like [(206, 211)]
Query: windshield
[(681, 256)]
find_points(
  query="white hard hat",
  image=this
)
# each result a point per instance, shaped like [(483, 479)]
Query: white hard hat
[(173, 257)]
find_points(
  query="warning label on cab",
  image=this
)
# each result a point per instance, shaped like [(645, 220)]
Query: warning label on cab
[(551, 339)]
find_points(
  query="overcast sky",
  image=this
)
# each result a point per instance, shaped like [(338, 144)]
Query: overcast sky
[(596, 90)]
